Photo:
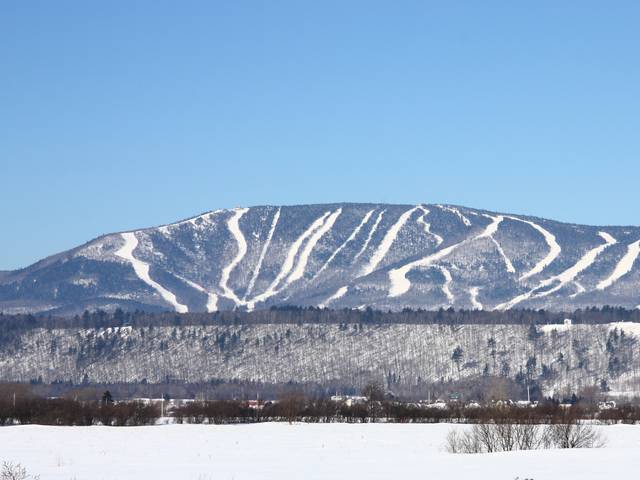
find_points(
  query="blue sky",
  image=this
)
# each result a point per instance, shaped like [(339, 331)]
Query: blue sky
[(125, 114)]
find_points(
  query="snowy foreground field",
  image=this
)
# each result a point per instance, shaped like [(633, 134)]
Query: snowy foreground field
[(301, 451)]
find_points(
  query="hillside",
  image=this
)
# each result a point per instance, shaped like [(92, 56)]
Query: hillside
[(338, 255)]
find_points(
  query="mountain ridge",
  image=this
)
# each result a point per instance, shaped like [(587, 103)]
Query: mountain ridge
[(387, 256)]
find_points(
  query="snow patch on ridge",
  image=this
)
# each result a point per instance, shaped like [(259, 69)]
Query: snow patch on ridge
[(142, 271)]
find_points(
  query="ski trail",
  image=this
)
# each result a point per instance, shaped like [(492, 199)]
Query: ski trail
[(298, 272), (373, 230), (212, 298), (554, 248), (400, 284), (386, 243), (473, 292), (490, 234), (206, 217), (353, 235), (256, 272), (142, 271), (288, 263), (580, 289), (446, 287), (234, 227), (457, 212), (623, 267), (427, 226), (565, 277), (586, 261), (341, 292)]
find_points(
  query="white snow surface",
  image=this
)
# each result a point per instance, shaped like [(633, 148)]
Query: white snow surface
[(623, 267), (351, 237), (564, 277), (387, 242), (142, 270), (554, 248), (288, 263), (341, 292), (446, 286), (301, 267), (280, 451), (371, 232), (234, 227), (490, 233), (473, 292), (427, 226), (263, 253), (400, 284), (212, 298), (456, 212)]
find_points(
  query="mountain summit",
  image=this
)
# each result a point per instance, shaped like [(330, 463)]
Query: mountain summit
[(338, 255)]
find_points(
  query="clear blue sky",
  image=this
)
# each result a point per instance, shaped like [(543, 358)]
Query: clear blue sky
[(124, 114)]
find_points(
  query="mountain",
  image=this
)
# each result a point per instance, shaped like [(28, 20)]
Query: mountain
[(338, 255)]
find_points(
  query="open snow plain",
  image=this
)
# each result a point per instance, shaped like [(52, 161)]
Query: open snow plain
[(300, 451)]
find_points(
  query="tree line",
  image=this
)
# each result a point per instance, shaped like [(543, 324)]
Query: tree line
[(10, 324)]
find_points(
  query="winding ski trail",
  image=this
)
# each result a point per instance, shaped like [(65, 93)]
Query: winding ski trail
[(142, 271), (234, 227), (554, 247), (473, 293), (427, 226)]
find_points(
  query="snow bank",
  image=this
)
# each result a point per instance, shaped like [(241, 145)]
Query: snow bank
[(287, 452)]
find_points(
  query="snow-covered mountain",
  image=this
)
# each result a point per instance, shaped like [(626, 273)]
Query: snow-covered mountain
[(339, 255)]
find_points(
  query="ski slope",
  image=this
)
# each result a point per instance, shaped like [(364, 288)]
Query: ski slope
[(387, 242), (280, 451), (142, 270), (554, 248), (234, 228), (623, 267)]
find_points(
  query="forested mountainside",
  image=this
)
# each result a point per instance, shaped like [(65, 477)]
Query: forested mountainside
[(339, 255), (554, 357)]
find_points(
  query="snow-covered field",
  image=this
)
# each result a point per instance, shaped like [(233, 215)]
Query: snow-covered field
[(301, 451)]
